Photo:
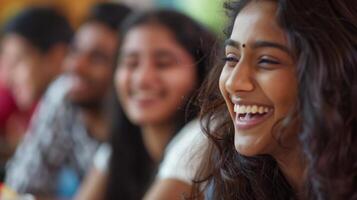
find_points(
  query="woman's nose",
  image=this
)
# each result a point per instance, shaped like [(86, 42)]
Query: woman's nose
[(145, 74), (240, 79)]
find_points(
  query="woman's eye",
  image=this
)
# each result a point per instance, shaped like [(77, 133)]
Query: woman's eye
[(230, 60), (269, 61), (165, 59), (165, 62)]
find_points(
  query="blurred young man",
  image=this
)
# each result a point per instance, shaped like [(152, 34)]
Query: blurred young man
[(31, 57), (71, 120), (33, 47)]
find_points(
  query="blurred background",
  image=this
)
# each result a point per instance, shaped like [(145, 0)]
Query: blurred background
[(208, 12)]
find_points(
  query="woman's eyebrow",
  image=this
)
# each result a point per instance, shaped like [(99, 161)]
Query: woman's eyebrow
[(233, 43), (257, 44), (263, 43)]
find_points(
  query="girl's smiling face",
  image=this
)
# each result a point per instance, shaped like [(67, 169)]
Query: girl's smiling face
[(155, 75), (258, 81)]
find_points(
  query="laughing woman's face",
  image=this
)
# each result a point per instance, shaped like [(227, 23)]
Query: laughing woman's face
[(258, 80)]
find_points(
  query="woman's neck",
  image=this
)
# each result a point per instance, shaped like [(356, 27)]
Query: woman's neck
[(293, 166), (155, 139)]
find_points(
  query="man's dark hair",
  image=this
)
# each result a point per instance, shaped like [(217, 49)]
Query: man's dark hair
[(43, 27), (109, 14)]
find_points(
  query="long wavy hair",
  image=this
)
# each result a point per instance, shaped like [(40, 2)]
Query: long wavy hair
[(131, 169), (323, 39)]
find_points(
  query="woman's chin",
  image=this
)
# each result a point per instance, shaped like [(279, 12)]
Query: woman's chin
[(248, 149)]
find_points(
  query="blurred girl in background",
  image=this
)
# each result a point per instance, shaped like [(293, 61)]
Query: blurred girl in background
[(162, 61)]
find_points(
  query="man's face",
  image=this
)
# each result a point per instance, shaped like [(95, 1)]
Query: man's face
[(90, 63), (22, 68)]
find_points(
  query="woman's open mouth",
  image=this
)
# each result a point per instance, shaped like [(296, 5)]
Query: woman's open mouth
[(248, 116)]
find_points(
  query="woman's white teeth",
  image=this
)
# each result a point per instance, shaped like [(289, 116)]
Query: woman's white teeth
[(245, 109)]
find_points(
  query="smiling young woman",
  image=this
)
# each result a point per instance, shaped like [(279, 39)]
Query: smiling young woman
[(282, 122), (162, 61)]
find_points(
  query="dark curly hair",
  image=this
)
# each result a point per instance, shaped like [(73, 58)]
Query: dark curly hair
[(323, 39)]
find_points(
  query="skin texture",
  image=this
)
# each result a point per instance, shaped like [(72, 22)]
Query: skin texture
[(154, 75), (262, 72), (28, 70), (90, 63)]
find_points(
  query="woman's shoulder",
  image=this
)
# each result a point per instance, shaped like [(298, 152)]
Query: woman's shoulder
[(187, 136), (181, 155)]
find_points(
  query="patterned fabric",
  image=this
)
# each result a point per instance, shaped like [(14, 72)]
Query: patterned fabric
[(56, 138)]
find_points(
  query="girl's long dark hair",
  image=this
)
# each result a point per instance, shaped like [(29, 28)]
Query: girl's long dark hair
[(131, 168), (323, 38)]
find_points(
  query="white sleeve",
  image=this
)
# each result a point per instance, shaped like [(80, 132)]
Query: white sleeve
[(102, 157), (183, 154)]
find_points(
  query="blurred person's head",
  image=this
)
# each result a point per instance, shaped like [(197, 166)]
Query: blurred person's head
[(90, 62), (162, 60), (161, 63), (32, 51)]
